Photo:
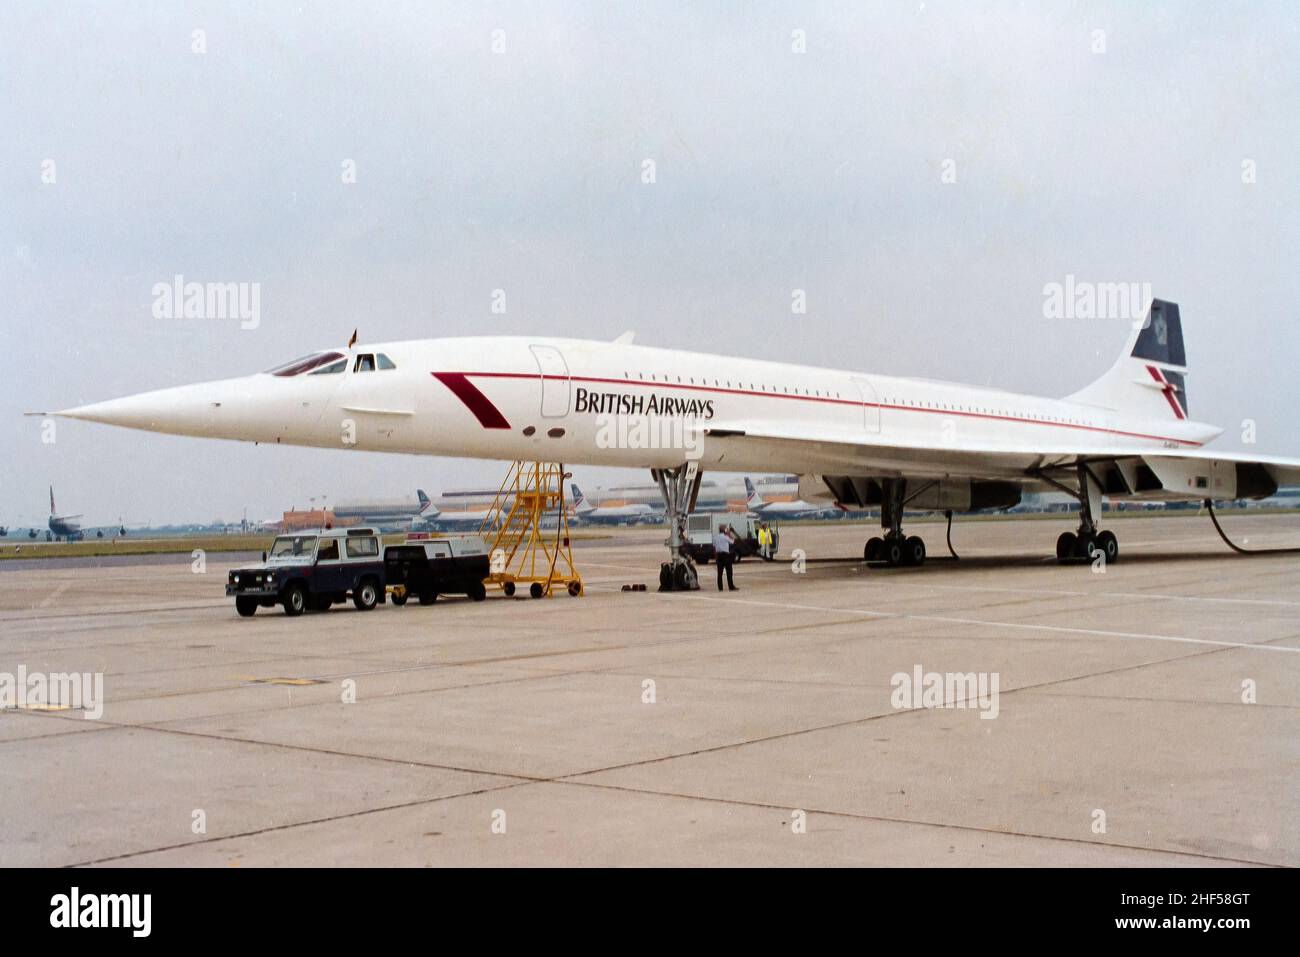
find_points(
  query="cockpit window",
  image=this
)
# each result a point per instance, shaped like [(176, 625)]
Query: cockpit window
[(365, 363), (305, 363), (385, 362), (330, 369)]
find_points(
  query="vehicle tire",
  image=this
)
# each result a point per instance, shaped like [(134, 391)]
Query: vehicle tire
[(536, 590), (575, 589), (428, 597), (478, 592), (914, 551), (665, 577), (871, 551), (892, 552), (1109, 546), (1065, 546), (295, 601), (247, 607), (366, 595), (398, 598), (509, 589), (682, 577)]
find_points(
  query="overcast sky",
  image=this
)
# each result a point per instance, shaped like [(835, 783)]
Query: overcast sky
[(521, 170)]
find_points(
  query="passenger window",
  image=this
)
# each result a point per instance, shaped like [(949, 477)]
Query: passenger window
[(363, 547), (385, 362), (365, 363), (328, 551)]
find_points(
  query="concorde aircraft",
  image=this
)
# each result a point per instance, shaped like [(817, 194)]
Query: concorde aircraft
[(856, 439)]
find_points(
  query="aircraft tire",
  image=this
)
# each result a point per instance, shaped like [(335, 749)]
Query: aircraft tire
[(1109, 546), (1065, 546)]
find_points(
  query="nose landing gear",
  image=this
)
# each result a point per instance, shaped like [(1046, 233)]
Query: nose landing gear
[(679, 488)]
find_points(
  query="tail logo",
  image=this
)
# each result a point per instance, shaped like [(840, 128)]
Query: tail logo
[(1169, 389)]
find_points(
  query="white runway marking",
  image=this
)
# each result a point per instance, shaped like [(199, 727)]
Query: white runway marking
[(994, 624)]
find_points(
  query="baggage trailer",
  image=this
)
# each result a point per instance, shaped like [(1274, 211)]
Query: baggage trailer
[(427, 567)]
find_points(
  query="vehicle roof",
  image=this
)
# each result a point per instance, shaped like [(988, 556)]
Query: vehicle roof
[(342, 532)]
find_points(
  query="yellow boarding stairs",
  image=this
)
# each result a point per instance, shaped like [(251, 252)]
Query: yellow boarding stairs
[(522, 552)]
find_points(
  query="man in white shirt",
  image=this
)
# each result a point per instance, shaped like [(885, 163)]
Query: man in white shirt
[(722, 554)]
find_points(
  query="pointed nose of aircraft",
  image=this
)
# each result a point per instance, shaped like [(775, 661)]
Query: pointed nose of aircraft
[(183, 410)]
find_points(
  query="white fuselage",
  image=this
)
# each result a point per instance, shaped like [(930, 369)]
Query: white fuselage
[(617, 404)]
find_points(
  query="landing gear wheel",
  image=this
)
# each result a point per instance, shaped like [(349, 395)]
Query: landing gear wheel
[(665, 577), (366, 596), (1109, 546), (399, 598), (892, 552), (295, 601), (478, 592), (428, 597), (871, 551), (575, 589), (536, 590), (1065, 546), (914, 551), (509, 589), (682, 577), (247, 607), (1085, 546)]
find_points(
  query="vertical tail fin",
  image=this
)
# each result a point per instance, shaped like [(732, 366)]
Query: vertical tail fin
[(1150, 377), (752, 498), (579, 500), (52, 512)]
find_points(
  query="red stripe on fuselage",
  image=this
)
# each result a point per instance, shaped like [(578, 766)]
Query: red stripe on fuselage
[(813, 398), (488, 415)]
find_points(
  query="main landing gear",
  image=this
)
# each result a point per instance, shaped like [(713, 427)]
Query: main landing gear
[(679, 487), (1087, 543), (895, 549)]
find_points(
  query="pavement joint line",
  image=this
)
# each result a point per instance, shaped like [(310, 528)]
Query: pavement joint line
[(217, 838), (851, 815), (944, 619), (835, 725), (1153, 700)]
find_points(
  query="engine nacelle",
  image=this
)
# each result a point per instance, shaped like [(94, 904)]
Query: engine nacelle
[(959, 495)]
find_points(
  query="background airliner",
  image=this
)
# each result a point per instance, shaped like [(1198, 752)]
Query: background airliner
[(856, 439), (386, 515), (630, 514), (792, 510)]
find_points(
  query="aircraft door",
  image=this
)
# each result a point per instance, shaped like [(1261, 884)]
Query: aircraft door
[(870, 404), (554, 375)]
